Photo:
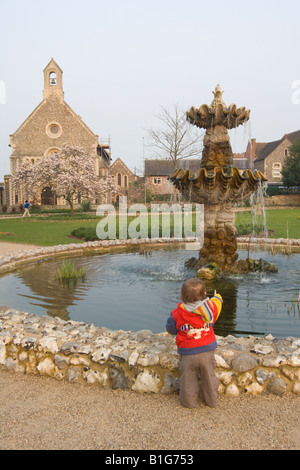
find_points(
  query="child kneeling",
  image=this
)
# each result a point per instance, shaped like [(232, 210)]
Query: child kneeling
[(192, 323)]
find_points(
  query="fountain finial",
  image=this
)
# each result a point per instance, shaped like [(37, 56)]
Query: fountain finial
[(218, 97), (218, 113)]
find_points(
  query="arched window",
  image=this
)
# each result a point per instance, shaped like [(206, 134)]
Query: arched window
[(119, 179), (125, 181), (52, 78), (276, 170)]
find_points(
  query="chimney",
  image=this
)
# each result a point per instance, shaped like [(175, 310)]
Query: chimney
[(253, 148)]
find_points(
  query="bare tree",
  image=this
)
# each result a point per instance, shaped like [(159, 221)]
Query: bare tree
[(177, 140)]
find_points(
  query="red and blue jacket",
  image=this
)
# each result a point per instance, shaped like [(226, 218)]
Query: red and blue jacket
[(193, 325)]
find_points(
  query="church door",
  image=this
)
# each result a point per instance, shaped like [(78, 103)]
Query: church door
[(47, 197)]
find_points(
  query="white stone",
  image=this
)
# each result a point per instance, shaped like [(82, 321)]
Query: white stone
[(232, 391), (295, 359), (49, 344), (274, 361), (169, 361), (145, 382), (93, 376), (2, 353), (13, 365), (23, 356), (254, 389), (148, 359), (46, 367), (101, 355), (296, 343), (221, 362), (103, 340), (224, 377), (85, 349), (79, 360), (261, 349), (296, 388), (133, 358)]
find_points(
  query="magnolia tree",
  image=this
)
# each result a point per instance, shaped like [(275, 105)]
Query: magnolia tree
[(68, 174)]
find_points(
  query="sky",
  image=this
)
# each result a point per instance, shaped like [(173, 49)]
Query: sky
[(124, 60)]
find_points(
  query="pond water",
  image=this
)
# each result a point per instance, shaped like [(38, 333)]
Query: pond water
[(131, 291)]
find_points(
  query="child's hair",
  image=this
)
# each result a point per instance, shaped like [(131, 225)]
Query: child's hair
[(193, 290)]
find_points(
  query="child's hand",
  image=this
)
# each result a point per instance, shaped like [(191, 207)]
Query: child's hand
[(215, 292)]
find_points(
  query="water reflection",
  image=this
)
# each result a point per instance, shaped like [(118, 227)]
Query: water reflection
[(51, 295)]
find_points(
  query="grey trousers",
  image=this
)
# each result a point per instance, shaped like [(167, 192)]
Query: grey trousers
[(190, 367)]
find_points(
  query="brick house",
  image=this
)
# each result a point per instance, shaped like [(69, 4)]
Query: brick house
[(244, 161), (157, 173), (123, 176), (51, 124), (270, 156)]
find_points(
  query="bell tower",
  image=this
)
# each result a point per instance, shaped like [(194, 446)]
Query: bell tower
[(53, 80)]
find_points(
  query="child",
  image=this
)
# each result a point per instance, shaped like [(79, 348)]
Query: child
[(192, 323)]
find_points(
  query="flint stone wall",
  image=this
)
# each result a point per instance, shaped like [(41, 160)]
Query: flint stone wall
[(140, 361)]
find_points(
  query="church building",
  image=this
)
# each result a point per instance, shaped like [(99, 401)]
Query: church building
[(51, 124)]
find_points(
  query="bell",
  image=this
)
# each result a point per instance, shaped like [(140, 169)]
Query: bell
[(52, 81)]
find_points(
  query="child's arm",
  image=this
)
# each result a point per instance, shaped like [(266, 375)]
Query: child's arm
[(171, 326), (210, 309), (218, 301)]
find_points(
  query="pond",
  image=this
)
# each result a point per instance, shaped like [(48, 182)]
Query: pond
[(133, 291)]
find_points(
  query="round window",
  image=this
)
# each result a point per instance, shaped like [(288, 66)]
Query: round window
[(54, 130)]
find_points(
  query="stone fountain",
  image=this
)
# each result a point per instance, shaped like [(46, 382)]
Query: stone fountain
[(218, 185)]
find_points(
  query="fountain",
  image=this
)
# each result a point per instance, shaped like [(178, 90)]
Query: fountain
[(218, 185)]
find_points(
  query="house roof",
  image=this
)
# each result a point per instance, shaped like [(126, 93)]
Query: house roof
[(166, 167), (264, 149), (118, 160)]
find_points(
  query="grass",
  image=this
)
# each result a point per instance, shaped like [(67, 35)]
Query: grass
[(279, 221), (41, 232), (69, 271), (50, 231)]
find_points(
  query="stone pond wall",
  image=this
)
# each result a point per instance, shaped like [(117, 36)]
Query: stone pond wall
[(140, 361)]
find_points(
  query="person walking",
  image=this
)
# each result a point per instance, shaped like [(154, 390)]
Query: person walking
[(26, 207)]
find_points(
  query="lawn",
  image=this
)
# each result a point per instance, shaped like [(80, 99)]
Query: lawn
[(50, 231), (278, 221), (41, 232)]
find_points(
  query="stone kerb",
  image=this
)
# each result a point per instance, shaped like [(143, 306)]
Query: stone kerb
[(141, 361)]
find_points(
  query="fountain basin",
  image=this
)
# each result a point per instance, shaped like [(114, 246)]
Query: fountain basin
[(119, 287), (80, 352)]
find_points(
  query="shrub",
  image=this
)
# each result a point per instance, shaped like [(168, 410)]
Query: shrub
[(87, 234), (86, 206)]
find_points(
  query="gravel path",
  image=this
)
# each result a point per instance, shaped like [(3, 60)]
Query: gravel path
[(8, 247), (41, 413)]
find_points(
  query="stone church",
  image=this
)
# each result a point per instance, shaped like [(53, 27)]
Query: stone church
[(51, 124)]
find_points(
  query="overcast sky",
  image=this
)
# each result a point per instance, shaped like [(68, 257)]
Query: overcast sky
[(124, 59)]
